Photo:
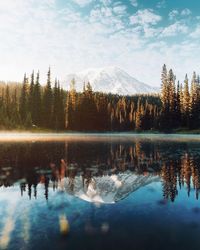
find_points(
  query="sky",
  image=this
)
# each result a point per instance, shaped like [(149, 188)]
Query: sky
[(138, 36)]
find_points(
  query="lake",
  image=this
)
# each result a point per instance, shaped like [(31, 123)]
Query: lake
[(92, 192)]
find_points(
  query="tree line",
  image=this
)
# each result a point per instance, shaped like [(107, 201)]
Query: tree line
[(32, 104), (180, 102)]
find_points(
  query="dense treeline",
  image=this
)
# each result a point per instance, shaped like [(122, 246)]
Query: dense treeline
[(180, 102), (30, 104), (104, 112)]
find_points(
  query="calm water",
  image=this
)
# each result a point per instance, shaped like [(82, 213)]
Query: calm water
[(100, 192)]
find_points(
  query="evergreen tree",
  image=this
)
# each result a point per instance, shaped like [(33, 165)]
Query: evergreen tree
[(37, 102), (186, 101), (58, 109), (14, 115), (193, 105), (31, 104), (47, 103), (172, 99), (61, 107), (138, 116), (178, 105), (8, 102), (23, 105), (181, 103), (164, 90), (71, 106), (166, 86)]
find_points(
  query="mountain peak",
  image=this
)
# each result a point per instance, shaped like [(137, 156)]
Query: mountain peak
[(110, 79)]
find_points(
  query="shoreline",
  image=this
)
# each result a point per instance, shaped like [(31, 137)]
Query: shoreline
[(49, 131), (26, 136)]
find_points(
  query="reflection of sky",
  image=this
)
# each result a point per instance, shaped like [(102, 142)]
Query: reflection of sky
[(137, 218)]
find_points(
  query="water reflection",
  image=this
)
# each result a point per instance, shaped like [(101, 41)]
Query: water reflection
[(101, 172)]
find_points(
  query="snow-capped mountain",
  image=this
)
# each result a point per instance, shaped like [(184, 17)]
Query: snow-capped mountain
[(107, 188), (110, 80)]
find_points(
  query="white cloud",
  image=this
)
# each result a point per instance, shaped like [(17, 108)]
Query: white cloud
[(173, 14), (106, 18), (174, 29), (134, 3), (196, 32), (150, 31), (83, 3), (105, 2), (186, 12), (120, 9), (37, 34), (161, 4), (177, 14), (145, 17)]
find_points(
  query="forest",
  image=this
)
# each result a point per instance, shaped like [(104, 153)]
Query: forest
[(32, 105)]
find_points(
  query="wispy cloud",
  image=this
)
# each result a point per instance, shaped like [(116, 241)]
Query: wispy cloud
[(161, 4), (179, 14), (145, 17), (176, 28), (186, 12), (196, 32), (134, 3), (173, 14), (88, 33), (83, 3)]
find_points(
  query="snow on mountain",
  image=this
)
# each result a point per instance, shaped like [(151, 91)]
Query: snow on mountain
[(108, 188), (110, 80)]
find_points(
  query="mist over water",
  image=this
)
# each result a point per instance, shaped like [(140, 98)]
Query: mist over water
[(100, 192)]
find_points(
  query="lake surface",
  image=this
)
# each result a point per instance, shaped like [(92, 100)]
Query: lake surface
[(95, 192)]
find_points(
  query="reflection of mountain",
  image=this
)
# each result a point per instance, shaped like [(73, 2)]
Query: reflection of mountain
[(105, 171), (107, 189)]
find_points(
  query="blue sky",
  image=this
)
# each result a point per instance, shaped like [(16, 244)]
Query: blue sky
[(72, 35)]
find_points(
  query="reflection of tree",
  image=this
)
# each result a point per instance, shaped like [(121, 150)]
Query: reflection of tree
[(40, 163), (180, 173), (169, 177)]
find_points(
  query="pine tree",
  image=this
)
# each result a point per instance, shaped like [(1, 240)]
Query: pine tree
[(186, 101), (172, 93), (31, 104), (47, 103), (73, 94), (23, 105), (61, 107), (7, 102), (165, 97), (15, 110), (70, 121), (55, 114), (138, 116), (37, 102), (164, 89), (181, 102), (178, 106), (193, 105), (89, 109)]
